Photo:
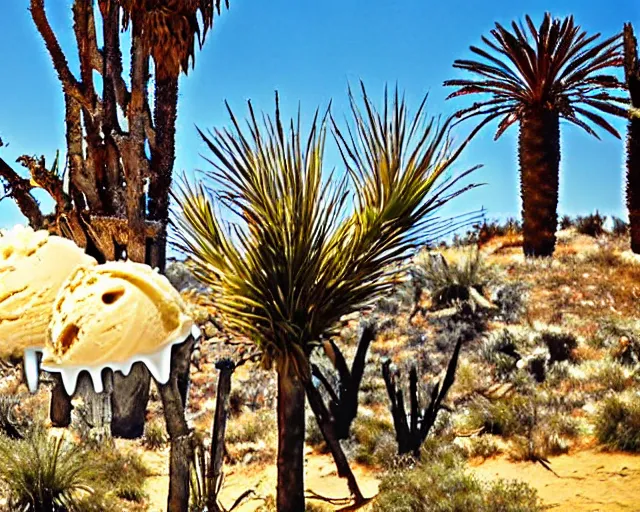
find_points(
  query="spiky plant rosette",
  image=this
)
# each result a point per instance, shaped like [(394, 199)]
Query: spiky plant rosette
[(298, 254), (554, 66)]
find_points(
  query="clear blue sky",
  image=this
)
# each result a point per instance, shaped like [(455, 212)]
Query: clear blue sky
[(309, 51)]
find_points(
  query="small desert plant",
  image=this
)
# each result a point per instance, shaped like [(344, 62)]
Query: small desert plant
[(566, 222), (375, 440), (617, 424), (441, 484), (452, 282), (122, 473), (251, 427), (155, 435), (611, 375), (620, 227), (511, 299), (44, 473), (560, 345), (591, 225), (502, 351)]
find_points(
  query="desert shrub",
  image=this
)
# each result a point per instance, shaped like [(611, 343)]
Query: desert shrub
[(45, 473), (566, 222), (511, 299), (611, 375), (236, 402), (122, 473), (251, 427), (591, 225), (374, 440), (617, 424), (620, 227), (482, 446), (155, 435), (507, 416), (441, 483), (388, 305), (448, 283), (502, 351), (560, 345)]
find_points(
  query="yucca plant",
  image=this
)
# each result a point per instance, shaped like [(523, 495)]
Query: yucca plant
[(536, 78), (44, 473), (298, 256)]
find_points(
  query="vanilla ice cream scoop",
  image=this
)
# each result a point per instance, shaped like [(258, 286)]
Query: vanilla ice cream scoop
[(33, 266), (113, 315)]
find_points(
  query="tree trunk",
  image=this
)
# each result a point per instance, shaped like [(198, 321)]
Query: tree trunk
[(214, 475), (539, 153), (633, 182), (291, 429), (60, 405), (181, 454), (328, 428), (129, 402)]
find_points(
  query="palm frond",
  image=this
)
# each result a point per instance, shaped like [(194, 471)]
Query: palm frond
[(556, 66)]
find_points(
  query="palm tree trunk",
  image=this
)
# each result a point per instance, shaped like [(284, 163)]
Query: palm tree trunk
[(539, 153), (633, 182), (291, 428)]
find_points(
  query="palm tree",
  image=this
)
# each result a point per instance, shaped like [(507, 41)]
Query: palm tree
[(536, 80), (296, 259), (632, 77)]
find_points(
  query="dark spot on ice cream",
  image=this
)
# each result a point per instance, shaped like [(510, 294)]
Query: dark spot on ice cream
[(112, 296), (67, 338)]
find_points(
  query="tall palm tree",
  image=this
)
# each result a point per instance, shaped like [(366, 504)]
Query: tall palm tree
[(535, 79), (297, 258), (632, 77)]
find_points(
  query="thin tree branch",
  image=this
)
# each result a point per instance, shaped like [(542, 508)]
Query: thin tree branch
[(69, 82)]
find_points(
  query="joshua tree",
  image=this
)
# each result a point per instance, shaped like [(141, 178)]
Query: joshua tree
[(535, 80), (296, 259), (632, 77), (116, 198)]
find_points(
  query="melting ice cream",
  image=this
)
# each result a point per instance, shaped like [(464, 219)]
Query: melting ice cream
[(113, 315), (33, 266)]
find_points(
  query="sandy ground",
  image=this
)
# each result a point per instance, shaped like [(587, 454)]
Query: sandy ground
[(587, 481), (320, 477)]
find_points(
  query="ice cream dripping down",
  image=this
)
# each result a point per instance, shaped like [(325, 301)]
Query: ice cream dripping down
[(112, 316), (33, 267)]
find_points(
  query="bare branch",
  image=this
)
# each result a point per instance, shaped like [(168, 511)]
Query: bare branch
[(69, 82), (19, 189)]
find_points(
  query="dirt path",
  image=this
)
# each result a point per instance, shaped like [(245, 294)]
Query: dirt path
[(587, 481)]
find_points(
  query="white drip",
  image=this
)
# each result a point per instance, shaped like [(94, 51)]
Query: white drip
[(158, 364), (31, 368)]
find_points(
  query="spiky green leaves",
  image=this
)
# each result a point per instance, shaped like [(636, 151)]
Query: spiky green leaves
[(295, 258), (556, 66)]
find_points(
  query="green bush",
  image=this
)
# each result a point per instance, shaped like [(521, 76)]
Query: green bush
[(155, 435), (375, 440), (591, 225), (617, 424), (44, 473), (251, 427), (620, 227), (122, 473), (441, 484), (448, 283)]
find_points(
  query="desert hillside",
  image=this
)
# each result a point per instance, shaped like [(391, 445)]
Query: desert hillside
[(546, 389)]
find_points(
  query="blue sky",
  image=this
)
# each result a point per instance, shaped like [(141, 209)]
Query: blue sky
[(310, 51)]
